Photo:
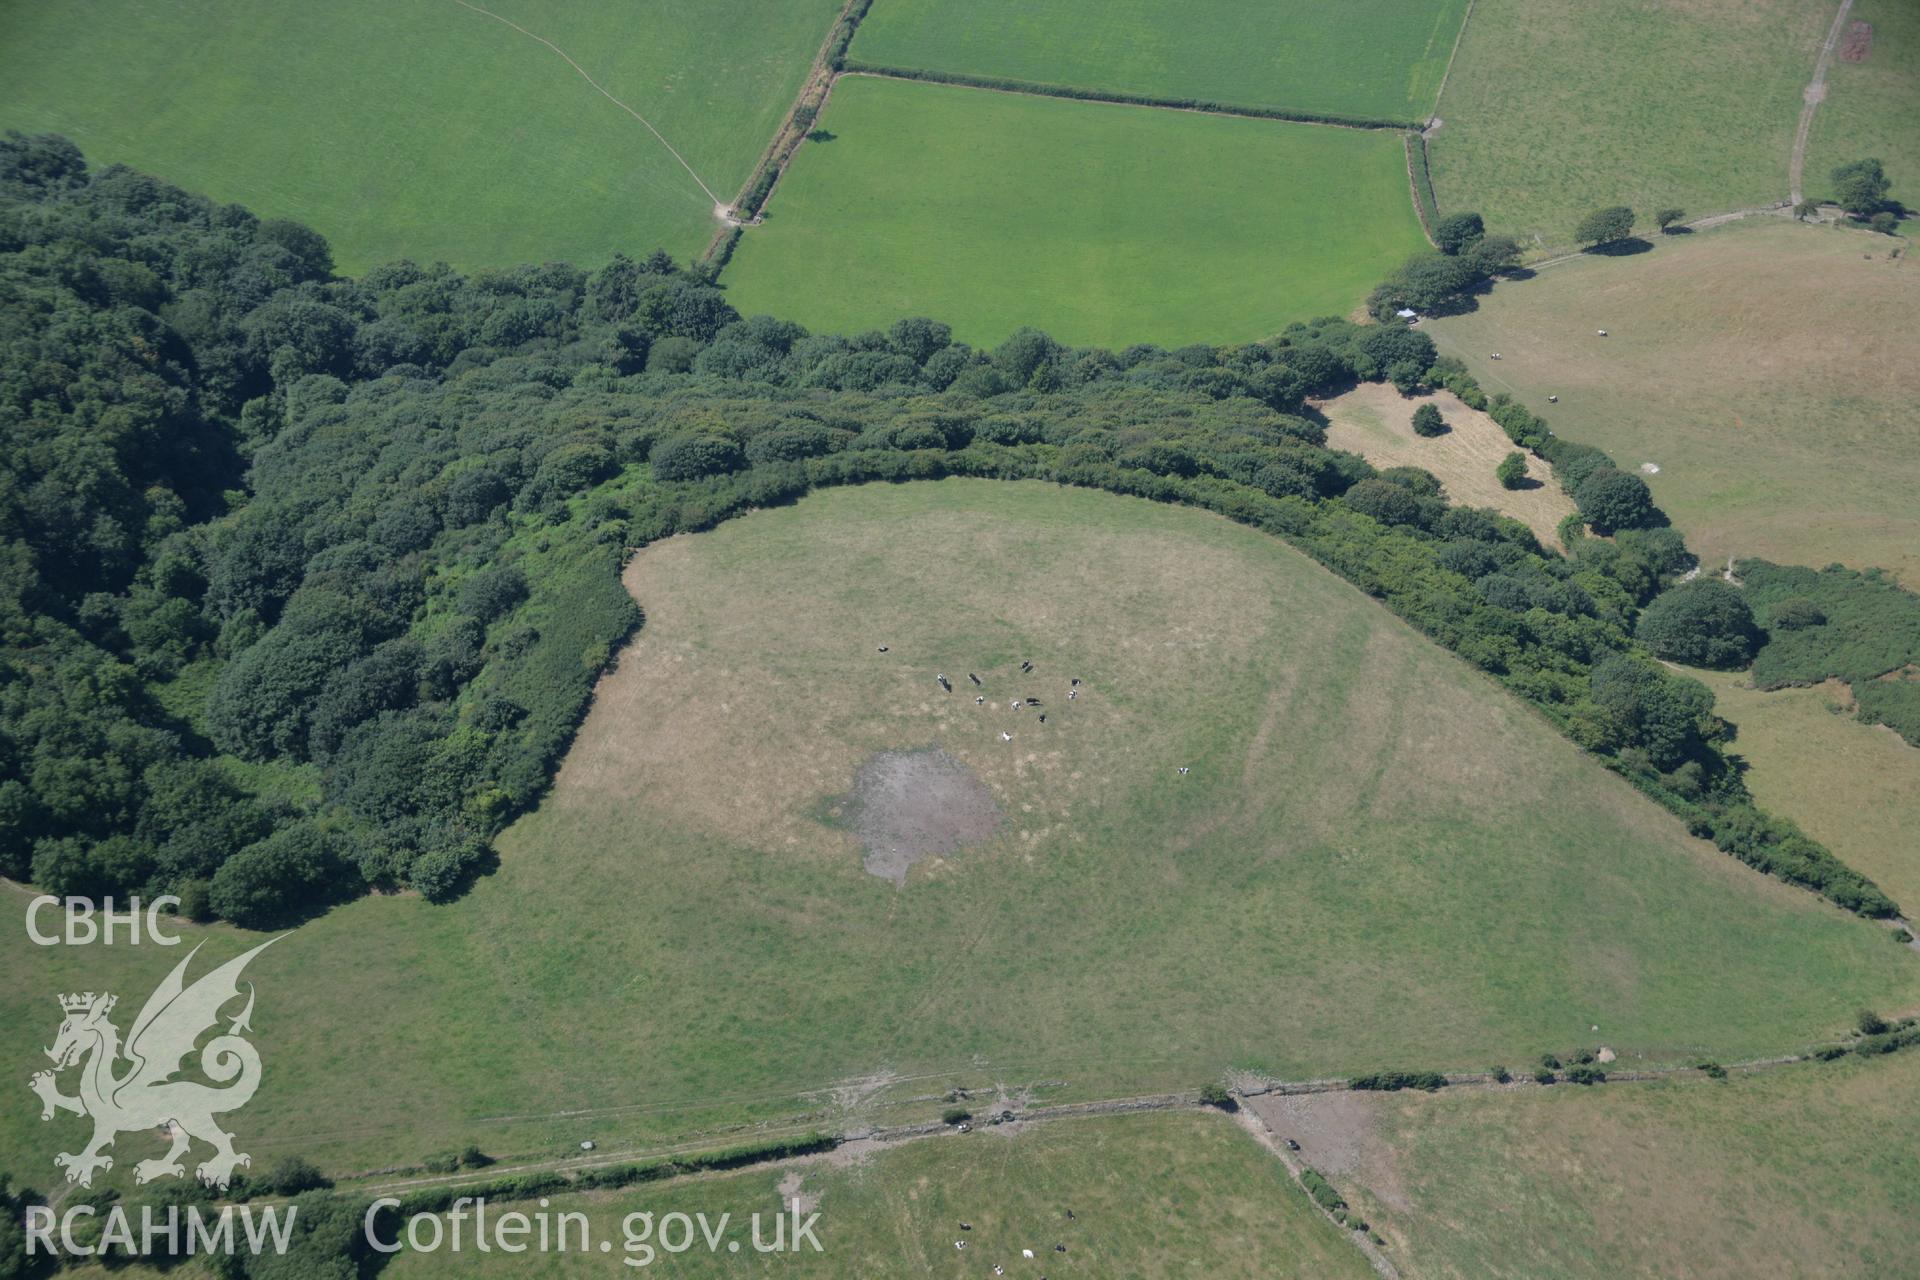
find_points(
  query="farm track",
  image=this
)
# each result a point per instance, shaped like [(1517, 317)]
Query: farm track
[(1811, 98), (889, 1134), (881, 1138)]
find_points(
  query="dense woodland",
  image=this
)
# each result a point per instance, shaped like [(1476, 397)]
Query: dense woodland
[(307, 580)]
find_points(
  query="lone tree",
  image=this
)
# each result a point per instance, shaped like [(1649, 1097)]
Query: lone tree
[(1491, 255), (1704, 623), (1512, 470), (1458, 230), (1428, 422), (1861, 188), (1605, 226), (1611, 499), (1667, 217)]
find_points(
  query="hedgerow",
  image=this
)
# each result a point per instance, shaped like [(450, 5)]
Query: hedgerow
[(1008, 85), (1322, 1191), (1392, 1081), (1424, 202)]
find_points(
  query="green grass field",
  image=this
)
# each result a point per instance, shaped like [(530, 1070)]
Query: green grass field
[(1855, 787), (424, 130), (1152, 1196), (1556, 107), (1810, 1170), (1375, 59), (1754, 364), (1098, 223), (1378, 859), (1872, 104)]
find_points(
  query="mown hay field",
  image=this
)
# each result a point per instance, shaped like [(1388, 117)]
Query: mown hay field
[(1375, 421)]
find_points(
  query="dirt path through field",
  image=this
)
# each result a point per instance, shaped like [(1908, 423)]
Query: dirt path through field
[(718, 203), (1814, 95)]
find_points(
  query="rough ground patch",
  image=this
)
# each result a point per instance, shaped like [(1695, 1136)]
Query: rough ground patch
[(1376, 422), (1859, 39), (910, 805)]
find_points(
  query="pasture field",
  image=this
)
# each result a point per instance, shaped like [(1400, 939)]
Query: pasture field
[(1375, 421), (1853, 786), (1156, 1195), (1098, 223), (1374, 59), (1377, 860), (1872, 103), (427, 131), (1754, 364), (1557, 107), (1807, 1170)]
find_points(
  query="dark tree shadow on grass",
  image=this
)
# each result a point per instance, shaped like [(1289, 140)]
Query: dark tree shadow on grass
[(1626, 248)]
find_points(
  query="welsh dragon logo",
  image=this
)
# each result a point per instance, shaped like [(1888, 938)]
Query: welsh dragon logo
[(143, 1095)]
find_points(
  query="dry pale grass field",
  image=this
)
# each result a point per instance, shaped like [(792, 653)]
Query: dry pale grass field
[(1808, 1170), (1369, 829), (1854, 786), (1376, 422), (1378, 859), (1764, 366)]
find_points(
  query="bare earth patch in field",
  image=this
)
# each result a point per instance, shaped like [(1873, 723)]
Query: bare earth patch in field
[(1376, 422), (1859, 40), (1338, 1134), (912, 805)]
